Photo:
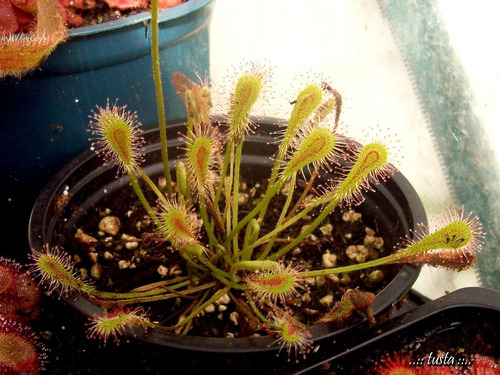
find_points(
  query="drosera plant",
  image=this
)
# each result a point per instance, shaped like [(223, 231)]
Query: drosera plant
[(21, 52), (226, 252), (21, 352)]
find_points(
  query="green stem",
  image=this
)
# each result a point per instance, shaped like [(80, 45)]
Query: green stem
[(138, 191), (252, 265), (251, 233), (143, 297), (304, 193), (149, 293), (206, 223), (282, 216), (200, 308), (153, 186), (263, 203), (223, 174), (188, 324), (354, 267), (328, 209), (155, 54), (274, 174), (236, 185), (259, 314), (280, 228)]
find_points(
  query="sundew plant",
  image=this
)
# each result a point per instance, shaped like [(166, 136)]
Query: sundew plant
[(226, 252)]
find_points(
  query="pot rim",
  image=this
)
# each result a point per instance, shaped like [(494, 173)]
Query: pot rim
[(398, 286), (166, 15)]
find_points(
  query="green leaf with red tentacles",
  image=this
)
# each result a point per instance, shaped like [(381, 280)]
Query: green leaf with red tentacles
[(315, 147), (352, 300)]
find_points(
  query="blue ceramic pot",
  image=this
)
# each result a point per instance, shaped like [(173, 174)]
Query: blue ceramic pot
[(45, 114)]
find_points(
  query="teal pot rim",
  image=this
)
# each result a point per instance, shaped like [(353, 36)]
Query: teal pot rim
[(115, 43), (45, 218), (170, 14)]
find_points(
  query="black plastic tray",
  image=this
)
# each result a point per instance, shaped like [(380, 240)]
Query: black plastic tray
[(456, 319)]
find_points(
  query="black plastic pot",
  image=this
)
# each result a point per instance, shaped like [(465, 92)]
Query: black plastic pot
[(45, 114), (468, 319), (395, 203)]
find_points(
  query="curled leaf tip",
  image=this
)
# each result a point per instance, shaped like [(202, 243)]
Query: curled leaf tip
[(352, 300)]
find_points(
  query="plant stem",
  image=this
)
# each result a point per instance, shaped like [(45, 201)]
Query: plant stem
[(304, 193), (328, 209), (236, 186), (355, 267), (263, 203), (280, 228), (251, 233), (272, 179), (198, 309), (162, 297), (282, 216), (153, 187), (142, 198), (188, 324), (223, 174), (206, 223), (137, 297), (259, 314), (155, 54), (253, 265)]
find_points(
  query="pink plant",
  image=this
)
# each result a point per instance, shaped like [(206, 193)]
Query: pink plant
[(18, 289), (15, 17), (403, 364), (20, 351), (19, 15), (22, 52)]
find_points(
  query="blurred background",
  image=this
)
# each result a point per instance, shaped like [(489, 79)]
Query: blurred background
[(424, 72)]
